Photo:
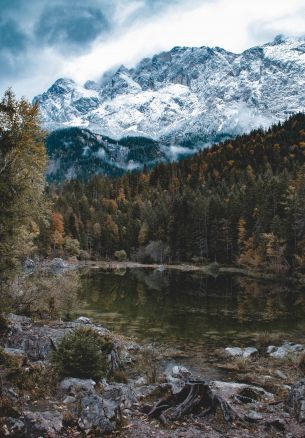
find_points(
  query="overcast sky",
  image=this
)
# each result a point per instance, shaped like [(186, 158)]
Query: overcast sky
[(42, 40)]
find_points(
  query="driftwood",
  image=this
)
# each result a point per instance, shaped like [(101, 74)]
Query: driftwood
[(196, 397)]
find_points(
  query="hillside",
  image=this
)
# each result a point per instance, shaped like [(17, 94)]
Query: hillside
[(79, 153), (239, 201)]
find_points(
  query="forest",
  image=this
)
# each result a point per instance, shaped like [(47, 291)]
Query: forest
[(239, 202)]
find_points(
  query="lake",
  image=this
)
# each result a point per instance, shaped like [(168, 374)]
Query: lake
[(192, 312)]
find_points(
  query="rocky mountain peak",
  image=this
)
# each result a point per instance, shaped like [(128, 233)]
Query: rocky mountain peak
[(201, 92)]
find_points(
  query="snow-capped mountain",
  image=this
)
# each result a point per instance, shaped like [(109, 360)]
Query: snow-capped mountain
[(198, 92)]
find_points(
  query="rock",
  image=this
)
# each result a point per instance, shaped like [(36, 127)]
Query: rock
[(241, 352), (284, 350), (140, 381), (180, 372), (250, 351), (234, 351), (47, 424), (176, 377), (97, 413), (230, 389), (254, 417), (280, 374), (144, 391), (37, 342), (83, 320), (13, 427), (121, 393), (18, 319), (68, 400), (296, 400), (73, 386), (193, 78), (29, 265)]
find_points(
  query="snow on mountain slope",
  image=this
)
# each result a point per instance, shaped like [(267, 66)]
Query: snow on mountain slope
[(197, 92)]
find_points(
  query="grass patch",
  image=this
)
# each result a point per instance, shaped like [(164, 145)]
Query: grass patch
[(265, 339)]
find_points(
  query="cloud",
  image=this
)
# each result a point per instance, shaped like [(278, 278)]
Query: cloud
[(12, 39), (13, 43), (66, 27)]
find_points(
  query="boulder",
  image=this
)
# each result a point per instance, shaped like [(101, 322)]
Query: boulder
[(38, 341), (35, 341), (234, 351), (47, 424), (229, 390), (250, 351), (177, 376), (254, 416), (97, 413), (241, 352), (74, 386), (120, 393), (180, 372), (296, 400), (284, 350), (18, 319), (83, 320)]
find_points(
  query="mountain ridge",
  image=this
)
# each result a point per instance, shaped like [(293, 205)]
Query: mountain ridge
[(202, 92)]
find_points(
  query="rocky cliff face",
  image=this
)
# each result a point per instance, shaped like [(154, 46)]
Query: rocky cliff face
[(202, 93)]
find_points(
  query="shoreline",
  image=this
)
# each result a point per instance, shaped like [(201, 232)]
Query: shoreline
[(256, 389), (209, 269)]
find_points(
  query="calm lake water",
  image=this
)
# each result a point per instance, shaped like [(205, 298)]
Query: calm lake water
[(191, 311)]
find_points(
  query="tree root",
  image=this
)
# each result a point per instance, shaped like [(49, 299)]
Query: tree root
[(196, 397)]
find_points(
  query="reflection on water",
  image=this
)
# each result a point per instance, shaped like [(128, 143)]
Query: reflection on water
[(190, 308)]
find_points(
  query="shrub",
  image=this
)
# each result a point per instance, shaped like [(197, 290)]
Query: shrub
[(84, 255), (121, 255), (72, 246), (82, 354), (265, 338), (120, 376), (45, 294)]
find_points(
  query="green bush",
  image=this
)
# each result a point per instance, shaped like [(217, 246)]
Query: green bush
[(84, 255), (82, 354), (121, 255)]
